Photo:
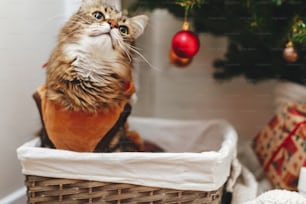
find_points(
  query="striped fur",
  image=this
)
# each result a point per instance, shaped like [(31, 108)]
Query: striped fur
[(92, 62)]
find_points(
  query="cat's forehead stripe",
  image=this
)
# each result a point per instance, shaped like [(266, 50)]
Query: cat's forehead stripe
[(111, 12)]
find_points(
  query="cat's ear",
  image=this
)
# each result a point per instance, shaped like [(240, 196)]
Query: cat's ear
[(138, 23)]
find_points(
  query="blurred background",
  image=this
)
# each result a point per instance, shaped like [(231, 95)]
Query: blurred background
[(28, 34)]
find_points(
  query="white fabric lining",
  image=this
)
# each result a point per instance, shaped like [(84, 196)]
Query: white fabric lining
[(183, 169)]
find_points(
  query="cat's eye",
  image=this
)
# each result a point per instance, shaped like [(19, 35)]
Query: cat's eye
[(124, 30), (98, 15)]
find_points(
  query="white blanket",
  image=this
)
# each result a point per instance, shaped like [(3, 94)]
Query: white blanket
[(278, 197)]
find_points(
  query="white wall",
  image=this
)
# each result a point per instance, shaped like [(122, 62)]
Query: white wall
[(28, 33)]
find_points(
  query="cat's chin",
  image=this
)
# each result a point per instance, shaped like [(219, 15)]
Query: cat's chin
[(102, 38), (106, 39)]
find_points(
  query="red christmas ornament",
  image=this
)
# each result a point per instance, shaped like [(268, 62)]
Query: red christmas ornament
[(179, 61), (185, 44)]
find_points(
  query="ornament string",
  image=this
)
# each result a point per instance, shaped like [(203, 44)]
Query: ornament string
[(186, 24), (188, 5)]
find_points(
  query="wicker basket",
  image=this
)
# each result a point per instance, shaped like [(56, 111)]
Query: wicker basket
[(44, 190), (53, 176)]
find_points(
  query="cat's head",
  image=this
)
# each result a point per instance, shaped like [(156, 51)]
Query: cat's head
[(96, 19)]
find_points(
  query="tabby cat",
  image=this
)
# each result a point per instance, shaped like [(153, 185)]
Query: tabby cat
[(91, 65), (89, 76)]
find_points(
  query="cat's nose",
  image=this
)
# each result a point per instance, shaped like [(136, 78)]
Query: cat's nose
[(113, 23)]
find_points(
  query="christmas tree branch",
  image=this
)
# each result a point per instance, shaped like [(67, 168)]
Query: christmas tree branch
[(258, 32)]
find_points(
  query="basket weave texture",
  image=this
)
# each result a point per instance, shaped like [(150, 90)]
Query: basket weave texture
[(45, 190)]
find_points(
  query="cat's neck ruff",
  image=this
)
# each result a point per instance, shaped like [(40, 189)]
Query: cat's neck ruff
[(93, 56)]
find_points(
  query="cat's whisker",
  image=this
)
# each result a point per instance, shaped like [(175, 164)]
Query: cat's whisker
[(126, 50), (122, 45), (143, 58), (136, 48)]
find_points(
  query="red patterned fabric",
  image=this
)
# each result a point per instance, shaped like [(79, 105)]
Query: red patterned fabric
[(281, 146)]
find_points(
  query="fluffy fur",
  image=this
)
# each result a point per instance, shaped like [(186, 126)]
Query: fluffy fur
[(89, 78), (92, 64)]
